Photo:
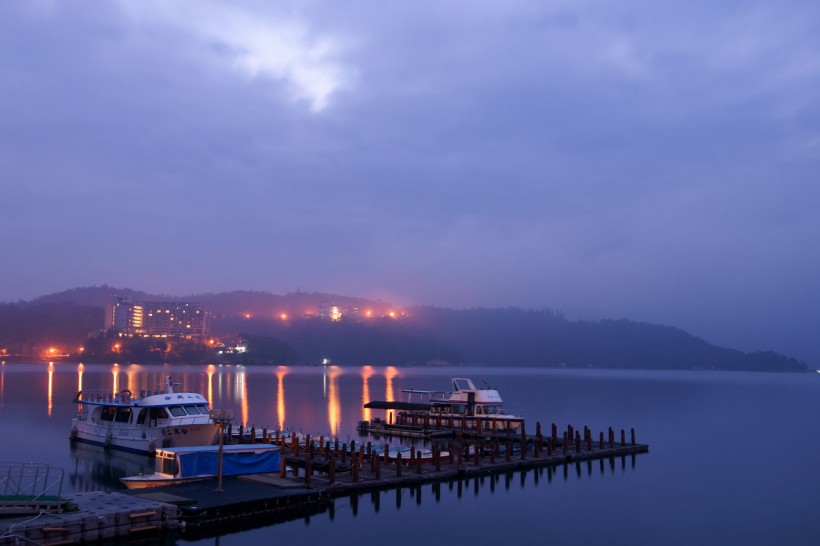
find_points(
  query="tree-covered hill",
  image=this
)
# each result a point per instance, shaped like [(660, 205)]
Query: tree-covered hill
[(286, 330)]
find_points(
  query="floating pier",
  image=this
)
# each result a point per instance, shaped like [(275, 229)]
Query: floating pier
[(314, 471)]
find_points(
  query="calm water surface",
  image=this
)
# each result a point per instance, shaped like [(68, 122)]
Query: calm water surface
[(733, 456)]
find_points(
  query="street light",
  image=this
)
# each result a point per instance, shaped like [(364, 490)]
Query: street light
[(220, 416)]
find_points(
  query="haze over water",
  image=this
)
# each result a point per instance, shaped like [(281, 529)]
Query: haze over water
[(732, 455)]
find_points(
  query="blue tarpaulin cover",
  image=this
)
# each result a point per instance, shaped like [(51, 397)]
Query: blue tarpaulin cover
[(233, 463)]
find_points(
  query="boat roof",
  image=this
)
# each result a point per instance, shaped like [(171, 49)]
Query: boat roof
[(231, 448), (126, 398), (386, 405)]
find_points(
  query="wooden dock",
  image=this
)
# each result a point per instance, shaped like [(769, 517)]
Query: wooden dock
[(314, 471)]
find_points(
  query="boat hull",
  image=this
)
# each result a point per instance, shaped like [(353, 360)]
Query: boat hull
[(158, 480), (145, 440)]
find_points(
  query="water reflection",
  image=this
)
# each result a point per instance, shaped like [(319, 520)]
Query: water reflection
[(115, 371), (390, 373), (50, 387), (210, 374), (281, 372), (483, 486), (367, 372), (96, 468), (241, 394), (334, 410)]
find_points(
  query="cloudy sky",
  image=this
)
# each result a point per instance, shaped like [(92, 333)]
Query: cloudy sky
[(657, 161)]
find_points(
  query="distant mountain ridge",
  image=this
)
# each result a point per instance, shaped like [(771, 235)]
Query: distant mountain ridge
[(420, 336)]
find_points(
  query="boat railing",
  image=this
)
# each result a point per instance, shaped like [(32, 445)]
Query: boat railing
[(414, 395), (104, 396)]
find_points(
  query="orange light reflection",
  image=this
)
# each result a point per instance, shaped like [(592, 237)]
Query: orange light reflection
[(389, 373), (115, 371), (281, 372), (334, 411), (50, 386), (241, 392), (367, 372), (210, 373)]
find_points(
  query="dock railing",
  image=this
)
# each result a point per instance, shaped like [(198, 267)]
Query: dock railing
[(29, 485)]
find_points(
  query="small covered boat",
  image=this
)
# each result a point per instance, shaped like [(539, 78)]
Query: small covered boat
[(145, 422), (187, 464)]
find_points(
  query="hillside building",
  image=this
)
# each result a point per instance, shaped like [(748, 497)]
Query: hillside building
[(158, 319)]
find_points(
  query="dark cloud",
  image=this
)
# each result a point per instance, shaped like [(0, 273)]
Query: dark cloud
[(640, 160)]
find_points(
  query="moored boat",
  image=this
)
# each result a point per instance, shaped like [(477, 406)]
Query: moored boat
[(143, 423), (432, 412), (194, 463)]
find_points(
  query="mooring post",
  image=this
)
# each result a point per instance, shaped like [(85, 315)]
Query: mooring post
[(331, 471), (577, 442), (355, 468), (601, 441), (241, 438), (377, 471), (633, 436), (283, 467), (565, 443), (508, 450), (523, 447), (336, 446), (418, 463), (265, 435), (369, 450), (308, 470), (623, 437), (253, 434), (493, 447), (398, 464), (386, 453)]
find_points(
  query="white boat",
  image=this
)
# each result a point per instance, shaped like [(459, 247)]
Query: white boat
[(466, 405), (194, 463), (481, 406), (143, 423)]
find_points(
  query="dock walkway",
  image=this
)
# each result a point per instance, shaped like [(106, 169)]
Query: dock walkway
[(313, 473)]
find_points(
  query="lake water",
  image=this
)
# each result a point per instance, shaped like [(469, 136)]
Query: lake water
[(733, 456)]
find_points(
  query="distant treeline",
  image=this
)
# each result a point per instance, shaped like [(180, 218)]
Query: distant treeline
[(425, 336)]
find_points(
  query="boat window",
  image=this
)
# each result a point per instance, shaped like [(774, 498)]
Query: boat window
[(177, 411), (169, 466), (204, 409), (141, 416), (123, 415), (107, 413), (192, 410), (158, 413)]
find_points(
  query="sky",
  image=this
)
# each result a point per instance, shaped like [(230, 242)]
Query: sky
[(655, 161)]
